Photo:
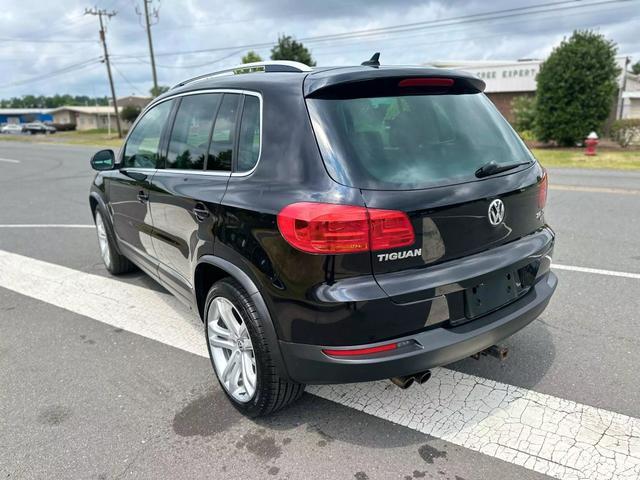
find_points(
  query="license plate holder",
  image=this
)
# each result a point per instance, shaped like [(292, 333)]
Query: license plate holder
[(494, 292)]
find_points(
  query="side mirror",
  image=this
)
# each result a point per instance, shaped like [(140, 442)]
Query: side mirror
[(103, 160)]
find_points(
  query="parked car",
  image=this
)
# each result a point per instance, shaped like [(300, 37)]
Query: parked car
[(11, 128), (330, 225), (38, 127)]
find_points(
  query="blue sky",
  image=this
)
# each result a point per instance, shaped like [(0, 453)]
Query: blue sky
[(38, 40)]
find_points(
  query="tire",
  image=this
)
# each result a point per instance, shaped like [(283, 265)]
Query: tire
[(270, 392), (114, 262)]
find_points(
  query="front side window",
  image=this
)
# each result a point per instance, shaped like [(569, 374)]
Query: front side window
[(223, 137), (191, 129), (249, 138), (142, 149)]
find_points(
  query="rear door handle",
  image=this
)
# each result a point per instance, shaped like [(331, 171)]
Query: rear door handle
[(143, 197), (201, 212)]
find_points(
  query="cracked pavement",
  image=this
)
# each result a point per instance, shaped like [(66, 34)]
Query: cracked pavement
[(547, 434)]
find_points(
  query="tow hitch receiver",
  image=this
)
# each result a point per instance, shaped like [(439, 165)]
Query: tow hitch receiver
[(497, 351)]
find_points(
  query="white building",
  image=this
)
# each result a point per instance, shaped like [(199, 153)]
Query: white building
[(509, 79), (86, 118)]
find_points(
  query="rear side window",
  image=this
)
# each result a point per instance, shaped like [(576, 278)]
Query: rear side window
[(412, 141), (191, 129), (249, 139), (224, 134), (142, 147)]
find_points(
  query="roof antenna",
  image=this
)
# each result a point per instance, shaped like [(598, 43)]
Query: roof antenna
[(374, 61)]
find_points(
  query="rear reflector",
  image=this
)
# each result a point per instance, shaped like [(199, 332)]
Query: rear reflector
[(361, 351), (426, 82), (325, 228), (542, 193)]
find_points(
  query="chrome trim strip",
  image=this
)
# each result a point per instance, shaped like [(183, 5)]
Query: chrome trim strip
[(217, 173), (198, 92), (138, 169)]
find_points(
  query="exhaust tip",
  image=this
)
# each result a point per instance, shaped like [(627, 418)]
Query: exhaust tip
[(402, 382), (423, 377)]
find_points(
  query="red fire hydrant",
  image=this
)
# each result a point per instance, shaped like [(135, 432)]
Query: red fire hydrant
[(591, 142)]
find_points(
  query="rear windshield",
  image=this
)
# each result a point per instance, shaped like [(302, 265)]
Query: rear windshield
[(412, 142)]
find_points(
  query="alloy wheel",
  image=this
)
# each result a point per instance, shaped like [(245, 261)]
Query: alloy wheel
[(103, 240), (231, 350)]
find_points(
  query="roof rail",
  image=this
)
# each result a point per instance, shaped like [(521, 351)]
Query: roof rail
[(266, 67)]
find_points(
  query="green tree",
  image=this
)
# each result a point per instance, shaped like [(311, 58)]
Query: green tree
[(635, 68), (524, 111), (129, 113), (288, 49), (159, 90), (57, 100), (251, 57), (576, 88)]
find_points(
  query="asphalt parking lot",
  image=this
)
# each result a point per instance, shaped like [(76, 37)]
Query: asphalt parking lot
[(106, 378)]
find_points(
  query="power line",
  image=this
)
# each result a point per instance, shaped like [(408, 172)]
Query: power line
[(126, 79), (426, 25), (254, 19), (67, 69), (209, 62), (444, 21), (103, 13), (489, 16), (388, 45), (35, 40)]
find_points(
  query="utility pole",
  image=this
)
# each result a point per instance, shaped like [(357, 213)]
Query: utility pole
[(148, 24), (623, 86), (100, 14)]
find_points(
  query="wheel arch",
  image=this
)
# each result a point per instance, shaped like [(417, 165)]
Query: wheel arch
[(209, 270), (96, 201)]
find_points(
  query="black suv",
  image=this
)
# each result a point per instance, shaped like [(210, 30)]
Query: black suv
[(330, 224)]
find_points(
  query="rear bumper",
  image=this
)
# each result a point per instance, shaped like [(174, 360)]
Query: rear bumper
[(428, 349)]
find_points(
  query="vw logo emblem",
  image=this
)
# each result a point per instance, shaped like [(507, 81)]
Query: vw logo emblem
[(496, 212)]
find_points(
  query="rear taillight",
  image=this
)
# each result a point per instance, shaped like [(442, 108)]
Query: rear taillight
[(325, 228), (426, 82), (389, 229), (542, 193)]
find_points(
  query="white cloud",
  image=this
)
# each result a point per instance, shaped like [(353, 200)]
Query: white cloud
[(197, 24)]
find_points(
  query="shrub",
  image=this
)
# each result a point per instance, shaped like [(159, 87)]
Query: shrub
[(576, 88), (626, 131), (64, 127), (527, 135), (251, 57), (129, 113), (524, 111)]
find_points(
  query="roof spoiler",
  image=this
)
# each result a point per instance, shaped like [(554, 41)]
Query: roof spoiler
[(358, 82)]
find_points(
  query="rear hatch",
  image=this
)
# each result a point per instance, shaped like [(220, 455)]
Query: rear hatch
[(417, 140)]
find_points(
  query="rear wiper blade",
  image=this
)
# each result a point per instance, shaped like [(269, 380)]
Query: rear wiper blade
[(492, 168)]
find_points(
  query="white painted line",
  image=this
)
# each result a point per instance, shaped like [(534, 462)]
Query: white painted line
[(580, 188), (45, 225), (9, 160), (597, 271), (547, 434), (155, 315)]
